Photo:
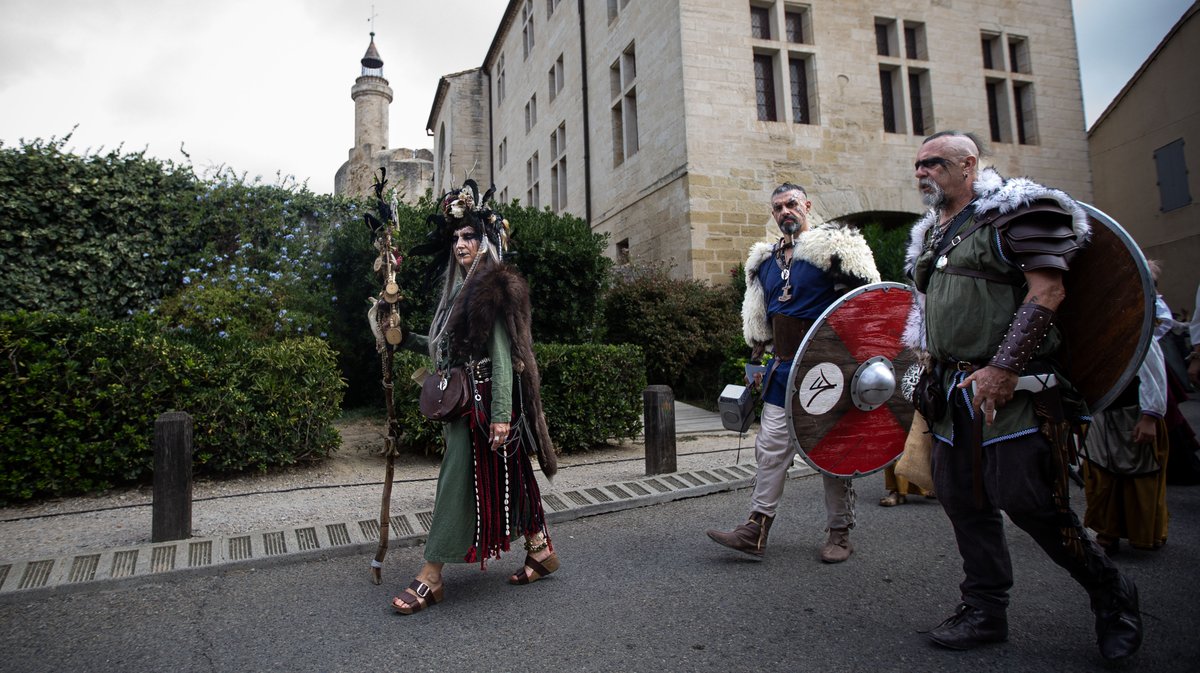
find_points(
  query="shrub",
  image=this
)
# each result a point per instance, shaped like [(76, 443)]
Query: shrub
[(591, 393), (687, 329), (80, 395), (888, 245)]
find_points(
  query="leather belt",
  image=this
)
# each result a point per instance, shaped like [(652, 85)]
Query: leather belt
[(788, 333)]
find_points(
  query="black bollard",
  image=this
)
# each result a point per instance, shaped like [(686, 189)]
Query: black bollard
[(659, 412), (172, 516)]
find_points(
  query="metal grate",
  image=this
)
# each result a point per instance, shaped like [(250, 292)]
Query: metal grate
[(637, 488), (124, 563), (578, 498), (338, 534), (200, 554), (598, 495), (691, 479), (554, 502), (162, 559), (708, 476), (425, 519), (306, 538), (742, 470), (369, 528), (83, 568), (36, 574), (658, 485), (239, 548), (724, 474), (274, 543), (674, 481), (401, 526), (619, 492)]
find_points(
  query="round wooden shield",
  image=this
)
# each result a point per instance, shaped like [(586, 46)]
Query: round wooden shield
[(1107, 319), (844, 406)]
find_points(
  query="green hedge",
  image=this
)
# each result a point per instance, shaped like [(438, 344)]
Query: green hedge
[(79, 396)]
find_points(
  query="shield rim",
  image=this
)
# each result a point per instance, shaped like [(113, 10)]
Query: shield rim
[(800, 350), (1148, 300)]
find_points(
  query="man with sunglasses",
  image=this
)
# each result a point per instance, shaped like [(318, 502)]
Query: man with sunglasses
[(988, 261), (789, 284)]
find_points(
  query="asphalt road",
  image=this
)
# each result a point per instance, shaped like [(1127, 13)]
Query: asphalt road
[(640, 590)]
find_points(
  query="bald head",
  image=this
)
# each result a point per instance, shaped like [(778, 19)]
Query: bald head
[(945, 170)]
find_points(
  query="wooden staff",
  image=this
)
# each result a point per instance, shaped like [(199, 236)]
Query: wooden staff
[(385, 324)]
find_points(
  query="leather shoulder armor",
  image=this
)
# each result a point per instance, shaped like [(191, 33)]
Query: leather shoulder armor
[(1038, 236)]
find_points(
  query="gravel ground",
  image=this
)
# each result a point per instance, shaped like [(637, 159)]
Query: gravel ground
[(345, 487)]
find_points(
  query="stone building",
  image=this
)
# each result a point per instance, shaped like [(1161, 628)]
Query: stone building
[(666, 123), (408, 171), (1141, 149)]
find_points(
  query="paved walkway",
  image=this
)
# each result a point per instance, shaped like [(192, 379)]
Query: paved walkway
[(709, 460)]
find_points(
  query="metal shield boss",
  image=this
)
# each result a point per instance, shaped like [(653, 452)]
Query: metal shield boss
[(845, 409), (1107, 319)]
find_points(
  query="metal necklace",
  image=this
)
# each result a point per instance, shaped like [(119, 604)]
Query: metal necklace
[(953, 225), (785, 270)]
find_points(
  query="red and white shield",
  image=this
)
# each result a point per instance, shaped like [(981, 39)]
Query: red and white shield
[(844, 405)]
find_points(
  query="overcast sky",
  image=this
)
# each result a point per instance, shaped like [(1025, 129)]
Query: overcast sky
[(263, 86)]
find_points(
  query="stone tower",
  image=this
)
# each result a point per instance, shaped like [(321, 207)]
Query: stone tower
[(410, 172)]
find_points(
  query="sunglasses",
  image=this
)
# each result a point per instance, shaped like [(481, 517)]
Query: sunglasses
[(929, 163)]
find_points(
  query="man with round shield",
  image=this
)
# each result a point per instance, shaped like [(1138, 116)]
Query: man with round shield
[(988, 261), (789, 284)]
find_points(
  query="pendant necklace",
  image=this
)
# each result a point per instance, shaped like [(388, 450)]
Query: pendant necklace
[(785, 272), (955, 223)]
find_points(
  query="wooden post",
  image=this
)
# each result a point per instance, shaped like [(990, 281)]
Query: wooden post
[(659, 413), (172, 511)]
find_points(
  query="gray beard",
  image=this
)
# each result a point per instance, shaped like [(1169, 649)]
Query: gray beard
[(936, 197)]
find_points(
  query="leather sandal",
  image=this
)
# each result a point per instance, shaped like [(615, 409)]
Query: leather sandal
[(417, 597), (892, 499), (538, 569)]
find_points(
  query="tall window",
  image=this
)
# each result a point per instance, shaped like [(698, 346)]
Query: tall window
[(502, 152), (614, 9), (527, 37), (558, 170), (622, 84), (555, 77), (760, 23), (531, 113), (551, 5), (1008, 88), (795, 26), (904, 85), (798, 76), (783, 68), (532, 175), (764, 87), (1172, 176), (500, 80)]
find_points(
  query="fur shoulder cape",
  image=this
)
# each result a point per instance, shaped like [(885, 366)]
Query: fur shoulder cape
[(838, 251), (498, 290), (994, 195)]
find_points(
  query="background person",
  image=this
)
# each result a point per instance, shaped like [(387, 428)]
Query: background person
[(789, 284), (988, 271), (487, 493)]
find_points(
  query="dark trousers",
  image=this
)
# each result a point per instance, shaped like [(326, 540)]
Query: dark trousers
[(1016, 479)]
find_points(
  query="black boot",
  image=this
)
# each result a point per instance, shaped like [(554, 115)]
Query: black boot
[(1118, 620), (969, 627), (750, 537)]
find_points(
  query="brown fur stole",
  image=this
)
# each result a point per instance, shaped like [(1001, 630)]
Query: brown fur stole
[(495, 290)]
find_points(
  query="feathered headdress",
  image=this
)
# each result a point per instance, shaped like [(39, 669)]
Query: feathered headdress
[(460, 208)]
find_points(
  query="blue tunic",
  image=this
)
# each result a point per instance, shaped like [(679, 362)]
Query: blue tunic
[(812, 292)]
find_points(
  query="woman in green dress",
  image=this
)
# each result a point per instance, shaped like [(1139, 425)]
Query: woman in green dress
[(487, 494)]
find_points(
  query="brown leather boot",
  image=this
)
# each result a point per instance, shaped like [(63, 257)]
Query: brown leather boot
[(838, 547), (750, 537)]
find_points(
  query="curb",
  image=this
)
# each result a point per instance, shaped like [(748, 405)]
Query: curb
[(163, 561)]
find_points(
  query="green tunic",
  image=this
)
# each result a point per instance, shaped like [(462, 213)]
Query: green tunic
[(452, 532), (966, 318)]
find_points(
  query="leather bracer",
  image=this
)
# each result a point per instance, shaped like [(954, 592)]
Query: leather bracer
[(1029, 328)]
